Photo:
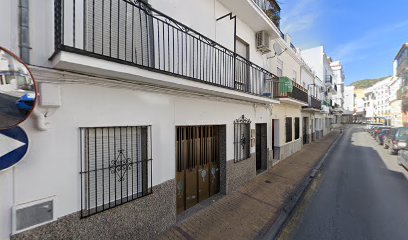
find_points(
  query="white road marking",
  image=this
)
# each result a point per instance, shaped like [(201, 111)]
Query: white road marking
[(8, 144)]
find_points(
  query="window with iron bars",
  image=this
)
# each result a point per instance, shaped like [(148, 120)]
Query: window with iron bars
[(288, 126), (242, 128), (116, 166)]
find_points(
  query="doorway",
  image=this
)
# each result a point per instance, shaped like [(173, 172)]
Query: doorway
[(275, 137), (312, 130), (197, 164), (261, 146), (305, 127)]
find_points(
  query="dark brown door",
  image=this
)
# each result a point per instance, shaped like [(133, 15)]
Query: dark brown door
[(273, 137), (305, 125), (261, 146), (197, 160)]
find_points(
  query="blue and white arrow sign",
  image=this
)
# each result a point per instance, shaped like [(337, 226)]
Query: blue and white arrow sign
[(13, 147)]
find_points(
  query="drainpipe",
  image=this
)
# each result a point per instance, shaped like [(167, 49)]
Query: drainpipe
[(24, 30)]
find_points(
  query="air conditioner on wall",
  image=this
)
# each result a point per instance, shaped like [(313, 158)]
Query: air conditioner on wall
[(262, 42)]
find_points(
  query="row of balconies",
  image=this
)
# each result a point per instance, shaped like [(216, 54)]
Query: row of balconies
[(135, 34)]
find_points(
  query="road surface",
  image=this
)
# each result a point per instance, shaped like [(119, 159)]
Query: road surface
[(361, 193), (9, 113)]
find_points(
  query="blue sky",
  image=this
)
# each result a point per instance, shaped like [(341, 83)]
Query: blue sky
[(364, 34)]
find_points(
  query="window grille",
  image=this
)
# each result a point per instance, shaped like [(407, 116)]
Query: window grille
[(288, 125), (242, 127), (116, 166), (297, 128)]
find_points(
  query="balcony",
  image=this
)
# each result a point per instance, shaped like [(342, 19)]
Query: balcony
[(315, 103), (133, 34), (328, 80), (290, 92), (271, 9)]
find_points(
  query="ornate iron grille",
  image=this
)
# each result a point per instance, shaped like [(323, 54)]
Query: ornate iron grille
[(116, 166), (242, 128), (131, 32)]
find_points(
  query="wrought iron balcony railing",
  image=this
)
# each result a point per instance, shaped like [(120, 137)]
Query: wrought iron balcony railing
[(315, 103), (271, 9), (133, 33), (281, 89), (329, 79)]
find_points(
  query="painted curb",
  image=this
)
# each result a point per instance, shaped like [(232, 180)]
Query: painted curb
[(293, 201)]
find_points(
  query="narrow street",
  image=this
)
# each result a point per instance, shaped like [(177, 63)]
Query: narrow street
[(361, 193)]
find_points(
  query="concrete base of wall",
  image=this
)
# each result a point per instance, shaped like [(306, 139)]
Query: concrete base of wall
[(240, 173), (319, 134), (142, 218), (271, 160), (286, 150)]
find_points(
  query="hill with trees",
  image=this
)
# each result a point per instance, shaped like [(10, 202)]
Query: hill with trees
[(366, 83)]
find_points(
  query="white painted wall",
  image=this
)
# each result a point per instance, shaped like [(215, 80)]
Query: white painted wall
[(52, 166), (307, 80), (349, 99), (314, 58), (8, 25)]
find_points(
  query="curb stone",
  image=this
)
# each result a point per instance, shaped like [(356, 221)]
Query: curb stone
[(294, 200)]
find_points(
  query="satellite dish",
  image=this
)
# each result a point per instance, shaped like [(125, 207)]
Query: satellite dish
[(278, 50)]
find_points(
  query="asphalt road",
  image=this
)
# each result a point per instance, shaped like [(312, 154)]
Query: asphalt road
[(361, 193), (9, 113)]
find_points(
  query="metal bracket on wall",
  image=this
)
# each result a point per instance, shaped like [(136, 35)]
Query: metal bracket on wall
[(235, 27)]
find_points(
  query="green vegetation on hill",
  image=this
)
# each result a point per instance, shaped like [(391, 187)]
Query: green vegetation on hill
[(366, 83)]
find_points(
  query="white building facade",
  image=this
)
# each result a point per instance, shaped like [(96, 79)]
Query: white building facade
[(338, 97), (319, 62), (401, 72), (349, 98), (138, 101)]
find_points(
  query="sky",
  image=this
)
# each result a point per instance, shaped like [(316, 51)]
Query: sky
[(365, 35)]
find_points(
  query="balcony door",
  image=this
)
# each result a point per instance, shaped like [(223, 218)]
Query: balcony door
[(241, 67)]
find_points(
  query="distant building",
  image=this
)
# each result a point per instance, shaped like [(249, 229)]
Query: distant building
[(359, 105), (338, 80), (381, 100), (349, 98), (318, 60), (369, 104), (401, 71), (395, 102)]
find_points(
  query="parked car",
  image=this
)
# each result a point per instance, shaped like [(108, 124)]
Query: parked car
[(403, 158), (396, 139), (26, 102), (378, 130), (380, 136)]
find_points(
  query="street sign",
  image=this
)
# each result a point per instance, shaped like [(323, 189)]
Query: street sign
[(13, 147)]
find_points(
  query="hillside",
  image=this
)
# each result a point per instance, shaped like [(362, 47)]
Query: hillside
[(366, 83)]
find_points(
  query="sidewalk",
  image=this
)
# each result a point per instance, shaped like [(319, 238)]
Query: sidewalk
[(252, 210)]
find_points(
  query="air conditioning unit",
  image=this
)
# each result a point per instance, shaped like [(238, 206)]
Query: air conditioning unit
[(262, 42)]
